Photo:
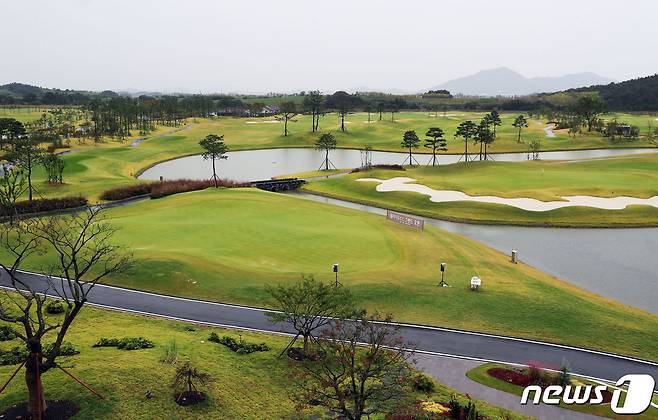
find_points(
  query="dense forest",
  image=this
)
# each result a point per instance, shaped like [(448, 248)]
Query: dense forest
[(632, 95)]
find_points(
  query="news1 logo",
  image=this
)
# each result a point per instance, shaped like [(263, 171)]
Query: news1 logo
[(638, 394)]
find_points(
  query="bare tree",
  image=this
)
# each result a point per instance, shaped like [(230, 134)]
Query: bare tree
[(364, 370), (308, 306), (287, 112), (81, 245)]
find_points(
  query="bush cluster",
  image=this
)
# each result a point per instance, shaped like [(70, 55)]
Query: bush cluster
[(66, 349), (382, 166), (55, 307), (127, 191), (125, 343), (165, 188), (13, 356), (43, 205), (240, 347), (423, 383), (6, 333)]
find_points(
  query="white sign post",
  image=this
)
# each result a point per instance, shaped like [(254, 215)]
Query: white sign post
[(476, 282)]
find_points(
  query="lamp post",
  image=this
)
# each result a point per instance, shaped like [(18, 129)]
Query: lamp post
[(335, 270), (443, 271)]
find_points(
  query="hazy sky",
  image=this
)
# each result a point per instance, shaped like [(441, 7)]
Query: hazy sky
[(281, 45)]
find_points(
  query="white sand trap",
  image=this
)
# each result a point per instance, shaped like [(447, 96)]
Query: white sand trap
[(263, 122), (529, 204), (549, 130)]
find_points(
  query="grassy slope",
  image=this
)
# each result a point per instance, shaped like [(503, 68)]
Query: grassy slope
[(635, 176), (227, 245), (95, 168), (480, 375), (244, 386)]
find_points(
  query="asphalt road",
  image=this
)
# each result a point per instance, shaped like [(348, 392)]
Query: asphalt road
[(428, 339)]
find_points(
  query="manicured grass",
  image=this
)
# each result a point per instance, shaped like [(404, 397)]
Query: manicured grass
[(480, 375), (226, 245), (244, 386), (635, 176), (23, 114), (94, 168)]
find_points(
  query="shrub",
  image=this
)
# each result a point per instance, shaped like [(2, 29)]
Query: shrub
[(240, 347), (125, 343), (135, 343), (66, 349), (423, 383), (7, 333), (387, 167), (55, 307), (13, 356), (107, 342), (127, 191), (44, 205), (163, 189)]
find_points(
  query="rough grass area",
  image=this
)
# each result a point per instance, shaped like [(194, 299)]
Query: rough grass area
[(228, 244), (253, 386), (480, 375), (92, 168), (635, 176)]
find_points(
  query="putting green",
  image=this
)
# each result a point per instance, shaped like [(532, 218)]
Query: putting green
[(633, 176), (226, 245)]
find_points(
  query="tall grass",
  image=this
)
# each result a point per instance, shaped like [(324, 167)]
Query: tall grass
[(165, 188)]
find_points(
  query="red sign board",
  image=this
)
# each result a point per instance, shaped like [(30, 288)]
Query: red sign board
[(405, 220)]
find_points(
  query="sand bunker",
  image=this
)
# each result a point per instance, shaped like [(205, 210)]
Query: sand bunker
[(549, 130), (530, 204), (263, 122)]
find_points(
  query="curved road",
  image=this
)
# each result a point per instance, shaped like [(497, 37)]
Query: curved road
[(431, 340)]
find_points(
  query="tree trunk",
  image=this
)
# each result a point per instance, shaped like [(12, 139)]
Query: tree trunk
[(342, 122), (518, 140), (36, 403), (326, 160), (434, 157), (29, 176), (214, 172), (411, 162), (305, 344), (285, 126)]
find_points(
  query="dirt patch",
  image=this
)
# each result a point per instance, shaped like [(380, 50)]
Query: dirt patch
[(298, 354), (57, 410), (189, 398)]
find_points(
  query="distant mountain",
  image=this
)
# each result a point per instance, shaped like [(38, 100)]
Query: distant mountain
[(505, 82), (639, 94)]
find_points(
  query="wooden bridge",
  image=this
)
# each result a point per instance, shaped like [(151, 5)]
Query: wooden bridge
[(277, 185)]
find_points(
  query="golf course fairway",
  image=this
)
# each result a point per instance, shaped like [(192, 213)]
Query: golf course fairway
[(632, 176), (228, 244)]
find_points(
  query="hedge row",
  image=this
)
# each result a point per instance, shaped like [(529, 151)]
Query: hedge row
[(43, 205), (165, 188)]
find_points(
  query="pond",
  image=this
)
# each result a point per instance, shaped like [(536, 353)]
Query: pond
[(252, 165)]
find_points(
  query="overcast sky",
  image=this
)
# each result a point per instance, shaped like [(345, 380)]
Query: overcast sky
[(290, 45)]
